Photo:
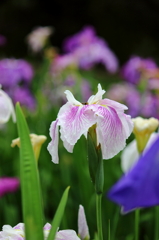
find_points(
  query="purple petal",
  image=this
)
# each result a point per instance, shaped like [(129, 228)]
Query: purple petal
[(139, 187)]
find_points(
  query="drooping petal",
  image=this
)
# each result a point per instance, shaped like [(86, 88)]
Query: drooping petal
[(83, 231), (139, 187), (74, 122), (53, 145), (95, 98), (111, 103), (66, 235), (111, 132)]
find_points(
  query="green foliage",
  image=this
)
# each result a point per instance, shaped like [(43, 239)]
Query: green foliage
[(31, 195)]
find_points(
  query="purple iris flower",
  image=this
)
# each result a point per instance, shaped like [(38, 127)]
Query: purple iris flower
[(86, 49), (24, 96), (8, 184), (85, 37), (13, 71), (139, 187), (136, 66)]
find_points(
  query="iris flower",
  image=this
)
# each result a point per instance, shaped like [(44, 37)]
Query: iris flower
[(113, 127), (139, 187)]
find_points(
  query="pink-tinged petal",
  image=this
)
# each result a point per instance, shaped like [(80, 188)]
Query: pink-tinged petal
[(66, 235), (74, 122), (110, 131), (53, 145), (83, 231), (47, 226), (95, 98), (110, 103)]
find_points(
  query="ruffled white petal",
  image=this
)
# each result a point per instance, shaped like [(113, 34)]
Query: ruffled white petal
[(75, 122), (111, 132), (53, 145), (71, 99), (95, 98)]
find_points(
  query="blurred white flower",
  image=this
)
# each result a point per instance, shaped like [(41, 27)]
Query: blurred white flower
[(38, 37), (130, 154), (12, 233), (6, 108)]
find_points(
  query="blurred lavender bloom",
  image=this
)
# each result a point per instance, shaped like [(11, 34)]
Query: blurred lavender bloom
[(83, 38), (127, 94), (149, 105), (88, 50), (8, 184), (3, 40), (38, 37), (13, 71), (24, 96), (136, 66), (139, 187)]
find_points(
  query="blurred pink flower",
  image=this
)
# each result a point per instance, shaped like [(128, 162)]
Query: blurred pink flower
[(8, 184)]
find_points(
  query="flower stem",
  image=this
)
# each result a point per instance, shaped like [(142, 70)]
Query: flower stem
[(157, 223), (137, 217), (99, 216)]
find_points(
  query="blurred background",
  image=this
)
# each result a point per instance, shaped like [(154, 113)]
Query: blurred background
[(37, 79)]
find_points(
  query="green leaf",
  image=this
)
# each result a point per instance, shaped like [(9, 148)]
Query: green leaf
[(58, 215), (31, 195)]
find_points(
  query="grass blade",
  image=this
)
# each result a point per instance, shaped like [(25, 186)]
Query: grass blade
[(58, 215)]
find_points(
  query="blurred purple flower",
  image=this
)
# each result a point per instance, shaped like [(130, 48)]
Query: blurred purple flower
[(83, 38), (88, 50), (127, 94), (139, 187), (3, 40), (13, 71), (150, 105), (8, 184), (24, 96), (136, 66)]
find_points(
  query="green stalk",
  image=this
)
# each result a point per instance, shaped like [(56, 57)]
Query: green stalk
[(99, 216), (157, 223), (137, 221)]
